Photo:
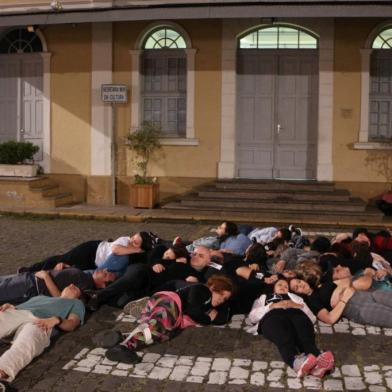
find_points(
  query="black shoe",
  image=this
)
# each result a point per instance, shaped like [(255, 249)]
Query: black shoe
[(6, 387), (122, 354), (107, 339)]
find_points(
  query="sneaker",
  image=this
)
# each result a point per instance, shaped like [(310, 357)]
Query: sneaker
[(325, 364), (122, 354), (107, 339), (135, 308), (307, 365), (178, 241), (6, 387)]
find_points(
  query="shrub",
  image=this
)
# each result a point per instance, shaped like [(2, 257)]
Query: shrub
[(12, 153), (144, 142)]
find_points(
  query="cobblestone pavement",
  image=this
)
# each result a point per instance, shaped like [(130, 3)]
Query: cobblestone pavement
[(203, 359)]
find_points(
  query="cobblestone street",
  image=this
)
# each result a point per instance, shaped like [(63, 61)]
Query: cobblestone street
[(198, 360)]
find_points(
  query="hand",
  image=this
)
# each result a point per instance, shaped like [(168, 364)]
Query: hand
[(181, 260), (212, 314), (191, 279), (61, 266), (5, 307), (254, 267), (42, 274), (158, 268), (271, 279), (380, 274), (46, 324)]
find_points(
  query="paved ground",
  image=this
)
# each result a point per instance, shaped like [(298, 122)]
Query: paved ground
[(202, 359)]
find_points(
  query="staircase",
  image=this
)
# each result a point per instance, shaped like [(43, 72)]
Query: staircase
[(40, 192), (272, 201)]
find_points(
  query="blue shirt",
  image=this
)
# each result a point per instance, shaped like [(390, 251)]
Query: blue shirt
[(237, 244)]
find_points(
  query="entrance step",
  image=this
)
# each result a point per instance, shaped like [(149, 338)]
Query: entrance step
[(260, 201), (40, 192), (355, 205)]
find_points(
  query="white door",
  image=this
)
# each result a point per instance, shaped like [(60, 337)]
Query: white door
[(21, 99), (276, 114)]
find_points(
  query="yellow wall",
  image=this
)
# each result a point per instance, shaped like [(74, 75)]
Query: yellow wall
[(179, 161), (349, 164), (70, 46)]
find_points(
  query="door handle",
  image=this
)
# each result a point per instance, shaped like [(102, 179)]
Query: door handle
[(279, 128)]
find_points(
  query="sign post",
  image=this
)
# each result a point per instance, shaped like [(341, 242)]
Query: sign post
[(114, 94)]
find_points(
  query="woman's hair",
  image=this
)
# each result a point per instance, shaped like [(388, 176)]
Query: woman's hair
[(180, 251), (231, 228), (362, 254), (256, 254), (321, 244), (146, 241), (310, 272), (285, 234), (220, 283), (342, 249)]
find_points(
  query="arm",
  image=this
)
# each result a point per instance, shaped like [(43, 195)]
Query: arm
[(68, 325), (259, 310), (304, 308), (50, 285), (363, 283), (121, 250), (331, 317)]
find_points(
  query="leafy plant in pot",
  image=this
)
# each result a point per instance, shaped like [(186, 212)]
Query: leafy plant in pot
[(144, 142), (17, 159)]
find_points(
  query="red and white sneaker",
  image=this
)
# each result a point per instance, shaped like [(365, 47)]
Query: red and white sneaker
[(307, 365), (325, 364)]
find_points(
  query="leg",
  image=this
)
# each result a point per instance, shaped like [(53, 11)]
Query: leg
[(276, 327), (304, 331), (12, 319), (30, 341), (17, 288), (134, 279), (82, 256)]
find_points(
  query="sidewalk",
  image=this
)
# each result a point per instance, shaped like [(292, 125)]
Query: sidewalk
[(129, 214)]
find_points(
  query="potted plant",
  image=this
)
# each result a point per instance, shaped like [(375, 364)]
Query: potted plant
[(17, 159), (144, 142)]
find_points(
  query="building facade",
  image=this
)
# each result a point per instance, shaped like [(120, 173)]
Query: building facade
[(299, 91)]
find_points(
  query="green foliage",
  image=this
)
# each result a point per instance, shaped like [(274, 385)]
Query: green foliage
[(144, 142), (13, 153)]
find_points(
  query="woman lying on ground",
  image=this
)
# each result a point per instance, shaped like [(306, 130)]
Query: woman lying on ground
[(167, 312), (285, 320), (330, 300), (227, 240), (100, 254)]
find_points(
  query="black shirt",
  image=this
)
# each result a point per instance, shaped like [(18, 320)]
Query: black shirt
[(321, 297), (64, 278)]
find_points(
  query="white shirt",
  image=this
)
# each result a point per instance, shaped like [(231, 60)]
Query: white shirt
[(104, 249), (260, 309)]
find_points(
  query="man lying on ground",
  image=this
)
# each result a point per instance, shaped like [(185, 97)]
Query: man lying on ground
[(34, 321)]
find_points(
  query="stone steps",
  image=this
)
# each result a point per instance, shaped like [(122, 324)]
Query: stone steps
[(40, 192), (258, 201)]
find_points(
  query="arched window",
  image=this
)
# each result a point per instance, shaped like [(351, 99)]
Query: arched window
[(278, 37), (164, 81), (380, 94), (20, 41)]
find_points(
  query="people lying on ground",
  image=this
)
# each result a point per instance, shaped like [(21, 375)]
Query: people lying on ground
[(167, 312), (227, 239), (284, 319), (139, 279), (98, 254), (162, 253), (19, 288), (330, 301), (290, 258), (34, 322), (380, 243)]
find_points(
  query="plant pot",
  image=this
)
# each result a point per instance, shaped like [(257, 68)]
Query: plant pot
[(144, 196), (18, 170)]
